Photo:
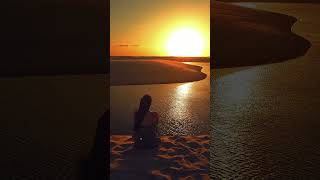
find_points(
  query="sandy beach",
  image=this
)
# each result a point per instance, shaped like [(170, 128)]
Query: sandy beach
[(178, 157), (138, 72)]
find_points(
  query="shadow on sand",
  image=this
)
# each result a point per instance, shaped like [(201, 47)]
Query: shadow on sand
[(177, 157), (97, 165)]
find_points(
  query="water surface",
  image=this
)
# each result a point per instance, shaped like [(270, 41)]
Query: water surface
[(265, 119), (183, 107)]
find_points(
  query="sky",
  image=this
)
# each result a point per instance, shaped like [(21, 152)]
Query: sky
[(160, 27)]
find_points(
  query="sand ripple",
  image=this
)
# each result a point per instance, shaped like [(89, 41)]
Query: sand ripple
[(178, 157)]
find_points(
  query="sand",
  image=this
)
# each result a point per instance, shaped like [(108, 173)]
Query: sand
[(244, 36), (135, 72), (184, 157)]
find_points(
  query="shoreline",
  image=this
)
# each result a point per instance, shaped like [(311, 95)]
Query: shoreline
[(171, 58), (235, 47), (177, 157), (148, 72)]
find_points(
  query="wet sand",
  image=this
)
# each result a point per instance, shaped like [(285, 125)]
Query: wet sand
[(178, 157)]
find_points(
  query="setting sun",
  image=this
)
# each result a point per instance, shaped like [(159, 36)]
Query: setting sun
[(185, 42), (142, 29)]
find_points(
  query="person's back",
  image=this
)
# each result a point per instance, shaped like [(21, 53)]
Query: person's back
[(150, 119), (145, 129)]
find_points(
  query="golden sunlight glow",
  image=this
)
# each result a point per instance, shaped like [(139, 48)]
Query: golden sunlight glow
[(183, 89), (185, 42)]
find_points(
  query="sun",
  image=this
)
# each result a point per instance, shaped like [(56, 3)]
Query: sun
[(185, 42)]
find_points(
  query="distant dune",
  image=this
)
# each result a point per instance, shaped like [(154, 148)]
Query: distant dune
[(53, 38), (172, 58), (243, 36), (134, 72), (178, 157)]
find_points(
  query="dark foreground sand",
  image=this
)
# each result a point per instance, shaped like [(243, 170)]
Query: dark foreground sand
[(184, 157), (135, 72), (243, 36)]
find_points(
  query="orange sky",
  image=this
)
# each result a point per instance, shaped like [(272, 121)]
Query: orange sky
[(143, 27)]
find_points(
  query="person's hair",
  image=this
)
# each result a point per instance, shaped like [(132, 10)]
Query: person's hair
[(145, 103)]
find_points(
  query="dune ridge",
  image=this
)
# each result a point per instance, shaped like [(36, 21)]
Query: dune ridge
[(244, 36), (184, 157), (137, 72), (172, 58)]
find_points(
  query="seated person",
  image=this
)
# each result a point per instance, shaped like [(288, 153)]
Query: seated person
[(145, 125)]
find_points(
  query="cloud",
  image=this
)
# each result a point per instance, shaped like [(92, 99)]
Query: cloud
[(129, 45)]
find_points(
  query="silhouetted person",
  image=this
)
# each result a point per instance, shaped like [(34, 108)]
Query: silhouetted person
[(145, 125), (96, 167)]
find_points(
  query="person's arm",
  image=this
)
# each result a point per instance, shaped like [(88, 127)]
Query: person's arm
[(155, 117)]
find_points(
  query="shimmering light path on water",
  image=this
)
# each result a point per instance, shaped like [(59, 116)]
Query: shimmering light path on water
[(183, 107)]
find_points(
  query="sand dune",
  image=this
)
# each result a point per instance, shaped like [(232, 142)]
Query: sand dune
[(51, 38), (243, 36), (134, 72), (184, 157)]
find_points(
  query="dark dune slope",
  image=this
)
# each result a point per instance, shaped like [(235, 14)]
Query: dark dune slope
[(53, 37), (243, 36)]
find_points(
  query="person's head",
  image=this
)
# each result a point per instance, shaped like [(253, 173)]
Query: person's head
[(145, 103), (144, 107)]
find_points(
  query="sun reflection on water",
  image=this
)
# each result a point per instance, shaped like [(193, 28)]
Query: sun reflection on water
[(179, 112), (183, 90)]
